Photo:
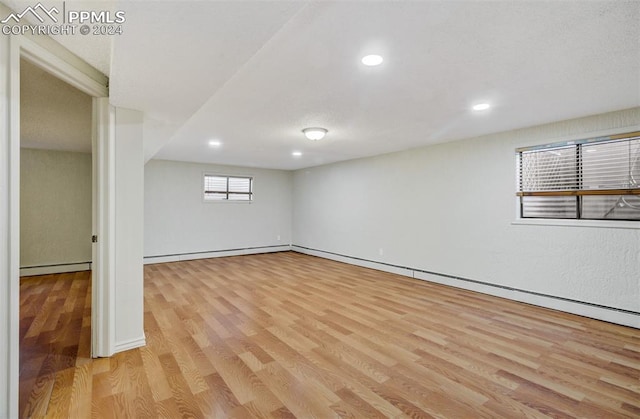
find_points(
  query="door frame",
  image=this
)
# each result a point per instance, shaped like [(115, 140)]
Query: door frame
[(103, 264)]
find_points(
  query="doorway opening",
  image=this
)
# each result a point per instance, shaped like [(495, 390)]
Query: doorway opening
[(64, 66), (56, 222)]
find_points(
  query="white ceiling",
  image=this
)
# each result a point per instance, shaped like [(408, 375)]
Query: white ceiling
[(254, 74)]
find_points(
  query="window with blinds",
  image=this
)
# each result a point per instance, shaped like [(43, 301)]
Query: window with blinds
[(227, 188), (596, 179)]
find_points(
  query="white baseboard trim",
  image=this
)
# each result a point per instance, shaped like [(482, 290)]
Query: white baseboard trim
[(607, 314), (215, 254), (130, 344), (55, 269), (594, 311), (355, 261)]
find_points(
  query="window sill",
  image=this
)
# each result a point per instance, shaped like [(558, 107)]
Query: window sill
[(227, 202), (578, 223)]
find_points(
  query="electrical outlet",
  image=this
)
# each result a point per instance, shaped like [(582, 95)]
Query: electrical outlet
[(381, 251), (278, 237)]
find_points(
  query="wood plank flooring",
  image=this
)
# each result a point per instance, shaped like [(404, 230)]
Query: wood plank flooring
[(55, 338), (288, 335)]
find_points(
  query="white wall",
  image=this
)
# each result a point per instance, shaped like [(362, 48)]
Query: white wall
[(129, 192), (449, 208), (178, 224), (55, 207)]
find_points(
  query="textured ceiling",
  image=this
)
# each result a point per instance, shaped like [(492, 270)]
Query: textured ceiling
[(254, 74), (53, 114), (96, 50)]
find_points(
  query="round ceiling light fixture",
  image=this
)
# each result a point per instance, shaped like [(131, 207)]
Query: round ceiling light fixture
[(215, 143), (314, 134), (372, 60), (296, 153), (481, 107)]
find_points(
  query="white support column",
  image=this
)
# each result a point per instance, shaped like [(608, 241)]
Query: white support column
[(118, 304), (103, 269), (128, 237)]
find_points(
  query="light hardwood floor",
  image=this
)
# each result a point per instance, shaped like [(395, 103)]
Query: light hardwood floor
[(55, 340), (289, 335)]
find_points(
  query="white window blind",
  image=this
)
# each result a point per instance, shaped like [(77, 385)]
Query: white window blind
[(588, 179), (227, 188)]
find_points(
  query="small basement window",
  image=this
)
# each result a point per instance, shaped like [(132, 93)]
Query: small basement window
[(593, 179), (228, 188)]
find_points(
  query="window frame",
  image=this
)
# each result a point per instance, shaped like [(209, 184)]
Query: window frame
[(251, 192), (578, 192)]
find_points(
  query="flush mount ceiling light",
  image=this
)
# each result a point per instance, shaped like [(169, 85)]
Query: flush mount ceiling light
[(215, 143), (481, 107), (372, 60), (296, 153), (314, 134)]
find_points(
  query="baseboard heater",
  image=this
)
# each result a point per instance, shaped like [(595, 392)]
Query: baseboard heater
[(56, 268), (179, 257), (595, 311)]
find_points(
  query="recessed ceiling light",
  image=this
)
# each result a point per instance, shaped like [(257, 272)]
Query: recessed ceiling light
[(372, 60), (296, 153), (314, 134), (215, 143), (481, 107)]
